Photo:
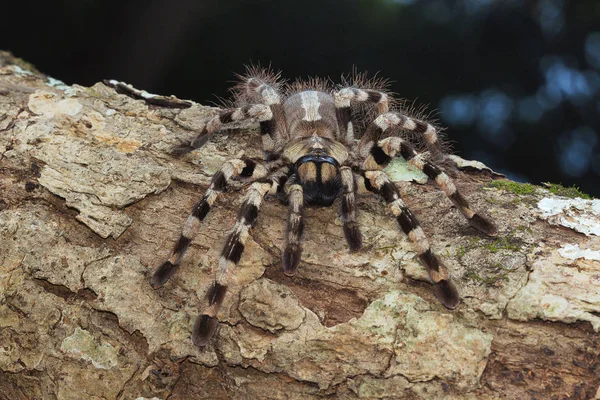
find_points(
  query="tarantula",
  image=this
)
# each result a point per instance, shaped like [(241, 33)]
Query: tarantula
[(313, 155)]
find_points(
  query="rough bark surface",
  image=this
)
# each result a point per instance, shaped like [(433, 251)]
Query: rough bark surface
[(92, 201)]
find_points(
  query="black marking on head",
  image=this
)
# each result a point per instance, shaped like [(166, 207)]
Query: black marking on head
[(317, 159), (374, 96), (204, 327), (446, 293), (163, 274), (389, 191), (421, 127), (431, 170), (225, 117), (201, 209), (216, 294), (249, 212), (317, 193), (248, 169), (380, 157), (219, 182), (234, 248), (430, 260), (407, 220)]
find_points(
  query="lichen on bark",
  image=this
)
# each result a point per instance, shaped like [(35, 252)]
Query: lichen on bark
[(92, 201)]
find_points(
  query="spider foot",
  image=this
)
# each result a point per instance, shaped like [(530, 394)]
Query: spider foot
[(291, 259), (204, 328), (447, 294), (353, 236), (484, 225), (163, 274)]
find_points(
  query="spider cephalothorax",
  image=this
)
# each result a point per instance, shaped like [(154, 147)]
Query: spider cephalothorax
[(315, 154)]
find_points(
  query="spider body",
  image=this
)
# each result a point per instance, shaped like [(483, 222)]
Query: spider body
[(312, 157)]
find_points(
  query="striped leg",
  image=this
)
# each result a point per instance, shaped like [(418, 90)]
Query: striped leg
[(263, 84), (390, 120), (232, 168), (260, 111), (206, 324), (443, 288), (349, 210), (295, 228), (382, 153), (163, 101), (343, 111)]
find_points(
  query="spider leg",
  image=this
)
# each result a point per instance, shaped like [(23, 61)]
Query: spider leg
[(394, 119), (261, 112), (158, 100), (343, 110), (349, 209), (206, 323), (229, 170), (295, 227), (443, 288), (381, 154), (262, 86)]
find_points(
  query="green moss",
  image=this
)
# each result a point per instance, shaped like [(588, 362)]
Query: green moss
[(504, 243), (513, 187), (570, 192), (527, 189)]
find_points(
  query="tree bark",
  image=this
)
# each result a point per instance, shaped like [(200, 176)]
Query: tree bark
[(92, 201)]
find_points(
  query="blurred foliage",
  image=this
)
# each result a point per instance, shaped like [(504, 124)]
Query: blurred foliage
[(516, 82)]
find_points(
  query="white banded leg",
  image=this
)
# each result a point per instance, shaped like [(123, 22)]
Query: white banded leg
[(349, 209), (162, 101), (382, 153), (248, 169), (343, 110), (206, 323), (276, 127), (261, 112), (295, 228), (443, 288), (390, 120)]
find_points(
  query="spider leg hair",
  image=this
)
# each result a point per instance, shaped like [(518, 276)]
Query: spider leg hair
[(382, 153), (443, 288), (206, 323), (155, 99), (349, 209), (295, 227), (343, 109), (261, 112), (262, 85), (389, 120), (248, 169)]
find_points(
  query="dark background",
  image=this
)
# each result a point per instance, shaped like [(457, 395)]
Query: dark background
[(517, 83)]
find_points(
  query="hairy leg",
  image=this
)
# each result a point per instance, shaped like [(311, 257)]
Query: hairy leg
[(206, 323), (247, 169), (443, 288), (381, 154)]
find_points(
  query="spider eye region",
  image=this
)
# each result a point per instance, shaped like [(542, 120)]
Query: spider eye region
[(319, 176)]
